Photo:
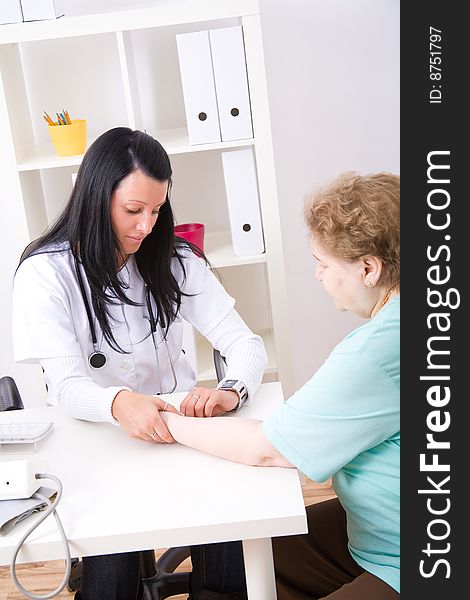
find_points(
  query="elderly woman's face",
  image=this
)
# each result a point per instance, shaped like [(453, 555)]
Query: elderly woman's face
[(343, 280)]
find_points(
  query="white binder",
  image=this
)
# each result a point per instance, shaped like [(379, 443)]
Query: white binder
[(36, 10), (10, 12), (231, 83), (241, 187), (197, 79)]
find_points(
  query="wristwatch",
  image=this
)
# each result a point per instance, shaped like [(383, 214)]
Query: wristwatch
[(235, 385)]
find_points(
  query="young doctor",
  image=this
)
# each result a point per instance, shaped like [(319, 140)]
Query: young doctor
[(99, 300)]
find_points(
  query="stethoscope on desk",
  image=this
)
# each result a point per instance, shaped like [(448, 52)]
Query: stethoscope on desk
[(97, 359)]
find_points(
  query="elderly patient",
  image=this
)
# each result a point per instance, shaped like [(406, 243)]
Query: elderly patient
[(344, 423)]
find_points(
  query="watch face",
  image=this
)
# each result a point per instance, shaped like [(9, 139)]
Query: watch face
[(229, 383)]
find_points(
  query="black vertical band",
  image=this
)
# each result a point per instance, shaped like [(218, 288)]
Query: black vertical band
[(434, 325)]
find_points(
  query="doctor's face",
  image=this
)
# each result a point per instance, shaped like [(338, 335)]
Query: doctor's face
[(134, 209)]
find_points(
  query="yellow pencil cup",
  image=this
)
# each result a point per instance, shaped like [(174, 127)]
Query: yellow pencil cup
[(69, 139)]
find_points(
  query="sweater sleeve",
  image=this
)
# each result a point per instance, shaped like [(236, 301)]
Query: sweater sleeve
[(243, 351), (70, 386)]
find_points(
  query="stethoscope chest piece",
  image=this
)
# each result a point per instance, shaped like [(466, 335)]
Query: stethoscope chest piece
[(97, 360)]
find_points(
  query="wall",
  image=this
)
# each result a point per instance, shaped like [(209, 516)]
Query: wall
[(333, 84)]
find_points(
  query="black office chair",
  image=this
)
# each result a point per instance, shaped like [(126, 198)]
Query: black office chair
[(159, 578), (10, 398)]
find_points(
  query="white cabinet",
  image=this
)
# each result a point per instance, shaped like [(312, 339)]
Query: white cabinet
[(122, 69)]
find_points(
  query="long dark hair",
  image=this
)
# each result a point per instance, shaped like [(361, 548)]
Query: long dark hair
[(85, 224)]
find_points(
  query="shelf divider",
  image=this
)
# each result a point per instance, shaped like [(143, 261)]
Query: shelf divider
[(129, 81)]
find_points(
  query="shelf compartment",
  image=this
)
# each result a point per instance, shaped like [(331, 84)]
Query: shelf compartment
[(206, 371), (219, 251), (58, 76)]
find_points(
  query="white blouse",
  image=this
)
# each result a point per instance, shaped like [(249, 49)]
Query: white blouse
[(50, 327)]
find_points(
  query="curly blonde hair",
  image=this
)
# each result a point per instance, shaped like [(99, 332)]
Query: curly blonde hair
[(359, 215)]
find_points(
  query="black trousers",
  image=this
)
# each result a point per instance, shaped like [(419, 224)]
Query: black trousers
[(218, 573), (113, 576)]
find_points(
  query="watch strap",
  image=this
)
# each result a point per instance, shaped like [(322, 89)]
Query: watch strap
[(235, 385)]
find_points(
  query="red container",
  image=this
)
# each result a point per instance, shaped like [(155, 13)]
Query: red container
[(193, 232)]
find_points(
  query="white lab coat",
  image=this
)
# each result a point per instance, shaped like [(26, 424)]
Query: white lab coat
[(49, 320)]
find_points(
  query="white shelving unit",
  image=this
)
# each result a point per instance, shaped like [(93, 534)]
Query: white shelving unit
[(121, 69)]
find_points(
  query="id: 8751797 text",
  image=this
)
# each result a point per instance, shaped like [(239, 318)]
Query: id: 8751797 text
[(435, 65)]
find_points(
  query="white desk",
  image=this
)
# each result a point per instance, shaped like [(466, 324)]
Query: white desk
[(122, 494)]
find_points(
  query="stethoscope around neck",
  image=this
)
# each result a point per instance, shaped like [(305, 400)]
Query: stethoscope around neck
[(97, 359)]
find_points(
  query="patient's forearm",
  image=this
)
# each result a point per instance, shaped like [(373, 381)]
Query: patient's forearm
[(234, 438)]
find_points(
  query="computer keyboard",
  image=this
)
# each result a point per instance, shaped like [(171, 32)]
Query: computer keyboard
[(25, 432)]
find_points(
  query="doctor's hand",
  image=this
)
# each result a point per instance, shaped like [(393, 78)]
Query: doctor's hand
[(138, 415), (206, 402)]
